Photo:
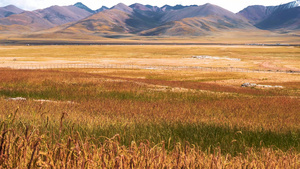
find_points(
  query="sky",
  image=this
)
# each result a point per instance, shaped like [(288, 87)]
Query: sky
[(232, 5)]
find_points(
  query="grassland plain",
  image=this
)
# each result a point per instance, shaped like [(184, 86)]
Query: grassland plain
[(254, 57), (115, 118), (226, 37)]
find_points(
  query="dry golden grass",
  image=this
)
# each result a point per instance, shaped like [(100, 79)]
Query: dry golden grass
[(115, 120), (126, 118), (114, 86), (268, 58)]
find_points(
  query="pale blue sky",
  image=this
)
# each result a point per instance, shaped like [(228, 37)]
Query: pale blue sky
[(232, 5)]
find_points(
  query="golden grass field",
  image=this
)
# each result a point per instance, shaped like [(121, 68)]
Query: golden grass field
[(137, 118), (255, 57)]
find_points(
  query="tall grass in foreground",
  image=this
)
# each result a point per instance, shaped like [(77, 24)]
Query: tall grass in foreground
[(93, 121), (28, 146)]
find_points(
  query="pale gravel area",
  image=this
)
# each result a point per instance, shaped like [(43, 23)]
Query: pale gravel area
[(222, 62), (7, 62)]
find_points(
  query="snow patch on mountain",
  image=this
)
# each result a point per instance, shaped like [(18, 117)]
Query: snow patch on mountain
[(272, 9)]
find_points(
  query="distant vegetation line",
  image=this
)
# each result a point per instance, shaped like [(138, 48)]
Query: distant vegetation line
[(137, 43)]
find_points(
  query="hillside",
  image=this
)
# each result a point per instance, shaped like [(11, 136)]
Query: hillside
[(59, 15), (123, 7), (198, 11), (103, 22), (197, 26), (110, 22), (45, 18), (9, 10), (31, 20), (288, 19), (254, 14), (284, 16), (82, 6), (147, 20)]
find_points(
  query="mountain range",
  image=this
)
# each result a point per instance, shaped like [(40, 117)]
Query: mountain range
[(9, 10), (44, 18), (147, 20), (285, 16)]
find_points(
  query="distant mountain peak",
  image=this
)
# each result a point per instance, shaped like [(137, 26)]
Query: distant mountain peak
[(176, 7), (208, 4), (272, 9), (138, 6), (123, 7), (78, 3), (82, 6), (9, 10), (120, 5), (10, 6), (284, 16), (103, 8)]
